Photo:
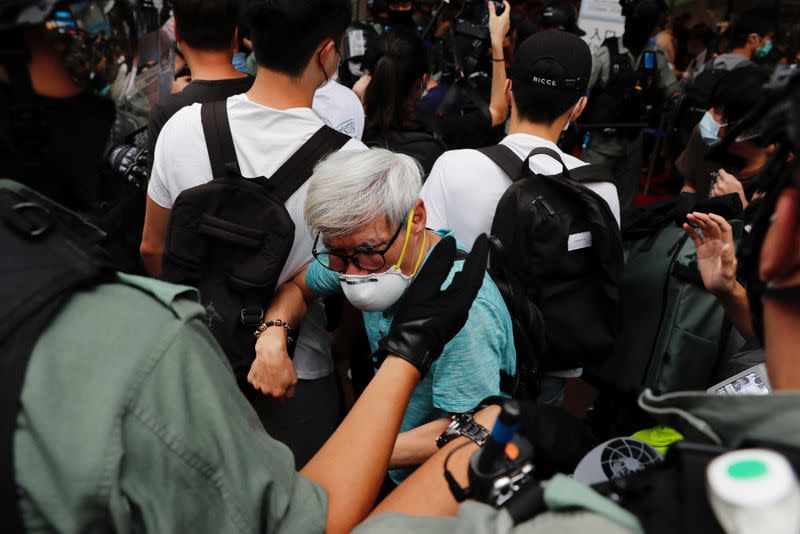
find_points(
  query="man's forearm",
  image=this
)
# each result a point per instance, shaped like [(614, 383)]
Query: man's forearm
[(352, 464), (425, 492), (289, 305), (415, 446)]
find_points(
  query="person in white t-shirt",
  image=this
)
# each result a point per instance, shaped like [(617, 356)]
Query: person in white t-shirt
[(269, 123), (551, 73), (340, 108)]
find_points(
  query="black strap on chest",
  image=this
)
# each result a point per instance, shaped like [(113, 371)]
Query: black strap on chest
[(290, 176), (41, 266), (516, 168), (617, 57)]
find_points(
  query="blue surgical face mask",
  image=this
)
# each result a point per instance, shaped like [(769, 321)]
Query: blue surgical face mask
[(709, 129), (764, 50)]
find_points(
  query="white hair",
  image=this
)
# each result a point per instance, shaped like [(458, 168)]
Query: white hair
[(350, 189)]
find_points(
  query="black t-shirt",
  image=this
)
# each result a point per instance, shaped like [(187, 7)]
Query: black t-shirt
[(198, 91)]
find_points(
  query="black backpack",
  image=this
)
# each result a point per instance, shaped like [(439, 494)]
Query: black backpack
[(674, 332), (557, 259), (231, 237), (44, 262)]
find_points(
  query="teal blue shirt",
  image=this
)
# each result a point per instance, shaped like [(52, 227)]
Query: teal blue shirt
[(469, 368)]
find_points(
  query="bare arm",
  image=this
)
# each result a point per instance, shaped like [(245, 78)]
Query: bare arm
[(417, 445), (425, 492), (154, 234), (272, 371), (716, 260), (498, 28), (352, 464)]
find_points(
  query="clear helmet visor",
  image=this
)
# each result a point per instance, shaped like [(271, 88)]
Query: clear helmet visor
[(97, 41)]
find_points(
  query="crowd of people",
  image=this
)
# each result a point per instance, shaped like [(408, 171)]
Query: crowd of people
[(377, 262)]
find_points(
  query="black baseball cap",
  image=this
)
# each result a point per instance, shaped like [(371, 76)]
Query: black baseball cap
[(553, 61), (561, 14)]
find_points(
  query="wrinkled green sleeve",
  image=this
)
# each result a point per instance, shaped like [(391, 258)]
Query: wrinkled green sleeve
[(197, 458), (476, 518)]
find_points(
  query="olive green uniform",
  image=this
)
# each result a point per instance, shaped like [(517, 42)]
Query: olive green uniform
[(131, 421)]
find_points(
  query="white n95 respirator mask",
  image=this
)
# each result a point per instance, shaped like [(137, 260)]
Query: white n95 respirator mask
[(379, 291)]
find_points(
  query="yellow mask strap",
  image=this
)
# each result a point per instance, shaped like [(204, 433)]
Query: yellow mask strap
[(405, 241), (421, 252)]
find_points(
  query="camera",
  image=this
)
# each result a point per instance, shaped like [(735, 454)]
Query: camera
[(466, 44), (473, 21)]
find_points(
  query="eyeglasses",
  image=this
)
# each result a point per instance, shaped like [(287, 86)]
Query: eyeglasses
[(363, 258)]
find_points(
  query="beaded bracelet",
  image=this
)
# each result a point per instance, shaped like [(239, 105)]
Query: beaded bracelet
[(277, 322)]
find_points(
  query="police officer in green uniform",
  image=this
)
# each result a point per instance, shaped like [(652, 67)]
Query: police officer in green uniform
[(620, 87)]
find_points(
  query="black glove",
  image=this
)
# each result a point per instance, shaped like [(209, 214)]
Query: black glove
[(428, 318)]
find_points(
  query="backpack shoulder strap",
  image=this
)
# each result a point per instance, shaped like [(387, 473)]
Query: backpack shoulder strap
[(219, 140), (42, 265), (300, 166), (612, 44), (543, 150), (592, 173), (585, 174), (506, 159)]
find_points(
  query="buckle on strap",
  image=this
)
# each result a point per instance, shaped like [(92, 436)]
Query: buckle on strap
[(252, 315), (29, 219)]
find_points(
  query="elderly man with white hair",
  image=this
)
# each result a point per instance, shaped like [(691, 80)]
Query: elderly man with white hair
[(371, 239)]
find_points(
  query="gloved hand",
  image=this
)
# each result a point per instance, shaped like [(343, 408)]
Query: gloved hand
[(427, 317)]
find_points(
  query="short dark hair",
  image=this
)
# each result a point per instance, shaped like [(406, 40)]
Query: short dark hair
[(542, 105), (738, 91), (206, 24), (702, 33), (751, 21), (285, 33)]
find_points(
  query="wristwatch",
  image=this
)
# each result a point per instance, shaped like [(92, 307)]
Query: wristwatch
[(463, 424)]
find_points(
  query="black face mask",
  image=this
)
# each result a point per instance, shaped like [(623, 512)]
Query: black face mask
[(401, 19), (638, 31), (53, 145)]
